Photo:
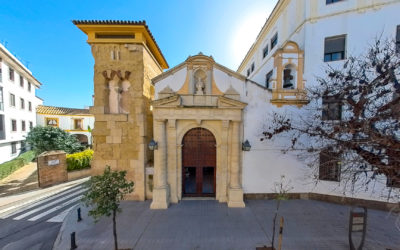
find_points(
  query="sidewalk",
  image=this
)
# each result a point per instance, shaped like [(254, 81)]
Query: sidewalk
[(207, 224), (23, 179)]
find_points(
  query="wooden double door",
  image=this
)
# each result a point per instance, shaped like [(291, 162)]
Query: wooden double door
[(198, 163)]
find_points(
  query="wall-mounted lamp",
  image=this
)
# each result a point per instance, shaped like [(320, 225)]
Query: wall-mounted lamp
[(153, 145), (246, 146)]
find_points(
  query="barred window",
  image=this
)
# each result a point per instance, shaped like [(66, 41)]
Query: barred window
[(329, 166), (331, 108)]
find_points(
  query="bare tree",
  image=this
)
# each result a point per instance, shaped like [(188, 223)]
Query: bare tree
[(352, 118)]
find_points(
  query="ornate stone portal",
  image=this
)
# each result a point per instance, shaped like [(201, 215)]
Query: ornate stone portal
[(197, 106)]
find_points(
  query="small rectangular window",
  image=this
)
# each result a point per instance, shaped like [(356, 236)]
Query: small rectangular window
[(332, 1), (11, 74), (268, 79), (21, 81), (265, 51), (30, 106), (78, 124), (29, 86), (274, 41), (22, 101), (30, 125), (1, 99), (12, 100), (331, 109), (252, 67), (2, 128), (1, 71), (13, 148), (13, 125), (335, 48), (329, 166), (248, 72), (23, 126), (50, 121), (393, 180)]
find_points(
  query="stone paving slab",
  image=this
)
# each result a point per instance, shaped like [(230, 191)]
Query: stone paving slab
[(211, 225)]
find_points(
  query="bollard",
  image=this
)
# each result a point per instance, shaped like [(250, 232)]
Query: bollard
[(79, 214), (73, 242)]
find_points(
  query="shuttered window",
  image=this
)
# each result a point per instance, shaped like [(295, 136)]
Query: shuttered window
[(335, 48), (331, 108), (329, 166)]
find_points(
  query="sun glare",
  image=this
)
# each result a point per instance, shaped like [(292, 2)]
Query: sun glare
[(246, 32)]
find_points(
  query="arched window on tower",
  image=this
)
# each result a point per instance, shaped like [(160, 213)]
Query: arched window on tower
[(289, 77)]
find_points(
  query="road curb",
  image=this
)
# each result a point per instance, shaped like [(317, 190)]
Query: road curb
[(62, 228)]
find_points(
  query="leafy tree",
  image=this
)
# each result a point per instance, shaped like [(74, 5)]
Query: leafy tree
[(51, 138), (105, 193), (364, 96)]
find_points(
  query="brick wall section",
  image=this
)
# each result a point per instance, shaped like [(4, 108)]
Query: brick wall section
[(52, 174)]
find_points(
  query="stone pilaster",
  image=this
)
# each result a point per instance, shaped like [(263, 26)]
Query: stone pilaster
[(161, 190), (171, 161), (235, 193)]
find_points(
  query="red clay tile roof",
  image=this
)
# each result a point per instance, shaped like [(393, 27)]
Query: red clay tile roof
[(50, 110)]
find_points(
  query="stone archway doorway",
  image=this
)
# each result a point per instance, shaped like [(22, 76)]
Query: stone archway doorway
[(198, 163)]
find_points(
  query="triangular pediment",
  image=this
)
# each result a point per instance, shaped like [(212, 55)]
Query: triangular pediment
[(225, 102), (171, 101)]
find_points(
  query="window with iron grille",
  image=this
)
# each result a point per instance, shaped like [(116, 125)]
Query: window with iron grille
[(393, 180), (335, 48), (2, 128), (23, 126), (13, 147), (268, 79), (274, 41), (30, 125), (331, 108), (329, 166), (11, 74), (30, 106), (14, 125), (29, 86)]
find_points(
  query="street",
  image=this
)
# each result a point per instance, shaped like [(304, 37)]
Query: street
[(35, 222)]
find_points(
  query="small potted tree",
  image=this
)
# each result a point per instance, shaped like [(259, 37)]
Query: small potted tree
[(104, 195)]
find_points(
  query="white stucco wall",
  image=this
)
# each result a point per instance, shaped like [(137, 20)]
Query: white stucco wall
[(16, 113), (264, 164), (66, 122)]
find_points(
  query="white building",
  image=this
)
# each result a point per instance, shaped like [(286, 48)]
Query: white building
[(18, 103), (75, 121), (299, 39)]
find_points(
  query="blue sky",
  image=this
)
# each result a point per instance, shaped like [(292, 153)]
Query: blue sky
[(42, 35)]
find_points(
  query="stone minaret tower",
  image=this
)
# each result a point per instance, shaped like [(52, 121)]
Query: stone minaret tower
[(126, 59)]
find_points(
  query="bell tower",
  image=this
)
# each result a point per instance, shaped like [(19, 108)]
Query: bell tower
[(126, 58)]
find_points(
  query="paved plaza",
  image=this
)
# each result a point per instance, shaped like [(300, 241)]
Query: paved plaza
[(207, 224)]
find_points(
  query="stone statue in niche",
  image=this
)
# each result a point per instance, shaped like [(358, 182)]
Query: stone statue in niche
[(200, 86), (200, 78), (118, 97), (124, 97)]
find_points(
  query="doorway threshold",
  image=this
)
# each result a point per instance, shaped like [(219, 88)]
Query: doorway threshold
[(198, 198)]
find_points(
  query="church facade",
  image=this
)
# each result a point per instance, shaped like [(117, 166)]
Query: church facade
[(194, 130)]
